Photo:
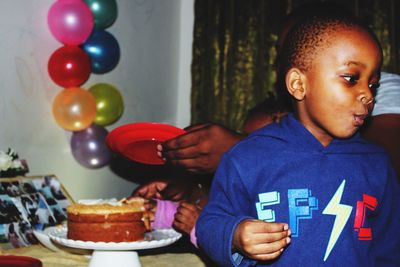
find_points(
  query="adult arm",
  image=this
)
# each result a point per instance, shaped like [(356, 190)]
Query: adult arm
[(199, 150)]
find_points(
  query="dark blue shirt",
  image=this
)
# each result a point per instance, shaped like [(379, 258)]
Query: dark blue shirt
[(342, 202)]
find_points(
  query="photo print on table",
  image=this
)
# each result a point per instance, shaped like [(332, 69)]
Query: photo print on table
[(27, 204)]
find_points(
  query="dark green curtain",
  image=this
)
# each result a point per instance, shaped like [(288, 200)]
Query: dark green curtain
[(234, 51)]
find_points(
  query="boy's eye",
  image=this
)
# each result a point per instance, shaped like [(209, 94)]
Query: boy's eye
[(374, 86), (350, 78)]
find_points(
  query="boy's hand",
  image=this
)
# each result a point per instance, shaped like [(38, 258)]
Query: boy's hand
[(261, 240), (186, 216)]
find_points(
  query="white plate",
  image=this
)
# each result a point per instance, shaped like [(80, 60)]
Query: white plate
[(44, 238), (155, 239)]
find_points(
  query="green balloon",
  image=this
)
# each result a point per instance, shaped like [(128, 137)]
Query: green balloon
[(104, 12), (109, 103)]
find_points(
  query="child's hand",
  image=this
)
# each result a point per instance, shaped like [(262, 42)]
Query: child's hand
[(261, 240), (151, 190), (186, 216), (164, 189), (177, 190)]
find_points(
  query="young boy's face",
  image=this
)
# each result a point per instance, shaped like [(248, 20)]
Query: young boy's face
[(338, 88)]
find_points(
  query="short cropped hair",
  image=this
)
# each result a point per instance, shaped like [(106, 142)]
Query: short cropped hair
[(308, 38)]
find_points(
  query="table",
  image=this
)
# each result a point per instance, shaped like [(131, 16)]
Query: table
[(65, 258)]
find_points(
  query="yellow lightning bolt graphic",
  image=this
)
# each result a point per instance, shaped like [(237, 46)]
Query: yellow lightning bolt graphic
[(342, 213)]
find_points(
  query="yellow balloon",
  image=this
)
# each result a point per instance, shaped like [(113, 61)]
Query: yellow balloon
[(74, 109), (109, 103)]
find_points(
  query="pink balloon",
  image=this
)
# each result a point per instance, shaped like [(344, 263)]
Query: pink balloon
[(70, 21)]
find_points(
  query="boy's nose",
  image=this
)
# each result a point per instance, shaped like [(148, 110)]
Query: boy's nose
[(366, 101), (365, 95)]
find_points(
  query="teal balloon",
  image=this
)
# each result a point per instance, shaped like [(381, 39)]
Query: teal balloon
[(104, 12), (109, 103)]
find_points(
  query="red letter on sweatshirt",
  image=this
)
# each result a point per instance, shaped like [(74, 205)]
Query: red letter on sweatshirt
[(367, 202)]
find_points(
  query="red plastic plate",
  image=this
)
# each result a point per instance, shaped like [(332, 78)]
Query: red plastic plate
[(138, 141), (19, 261)]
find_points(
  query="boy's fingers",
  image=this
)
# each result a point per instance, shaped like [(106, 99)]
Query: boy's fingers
[(262, 238), (267, 227), (268, 256), (269, 247)]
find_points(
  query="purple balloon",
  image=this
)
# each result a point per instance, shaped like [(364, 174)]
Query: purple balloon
[(89, 147)]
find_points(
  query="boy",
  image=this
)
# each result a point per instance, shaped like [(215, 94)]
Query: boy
[(338, 193)]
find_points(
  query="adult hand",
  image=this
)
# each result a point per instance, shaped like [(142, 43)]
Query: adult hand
[(200, 149), (186, 216), (261, 240)]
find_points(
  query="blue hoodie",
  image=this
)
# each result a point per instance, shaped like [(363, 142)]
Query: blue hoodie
[(342, 202)]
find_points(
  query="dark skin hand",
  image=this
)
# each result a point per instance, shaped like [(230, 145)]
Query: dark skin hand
[(261, 240), (178, 190), (186, 216), (200, 149), (151, 190), (164, 189)]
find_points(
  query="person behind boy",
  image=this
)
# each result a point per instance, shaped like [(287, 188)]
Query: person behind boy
[(337, 192), (383, 127), (178, 203), (270, 110)]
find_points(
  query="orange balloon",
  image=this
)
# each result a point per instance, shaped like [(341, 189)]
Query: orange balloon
[(74, 109)]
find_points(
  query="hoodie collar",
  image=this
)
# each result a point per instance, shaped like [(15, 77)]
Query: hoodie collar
[(293, 133)]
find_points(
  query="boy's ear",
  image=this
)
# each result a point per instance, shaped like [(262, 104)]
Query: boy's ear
[(296, 84)]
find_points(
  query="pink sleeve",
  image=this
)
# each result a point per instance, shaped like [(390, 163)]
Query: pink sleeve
[(164, 216), (193, 238)]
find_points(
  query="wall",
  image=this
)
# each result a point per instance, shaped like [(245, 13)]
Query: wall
[(153, 76)]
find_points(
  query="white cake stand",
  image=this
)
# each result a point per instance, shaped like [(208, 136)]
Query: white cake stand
[(123, 254)]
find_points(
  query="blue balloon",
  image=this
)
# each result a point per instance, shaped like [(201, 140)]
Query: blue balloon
[(103, 50)]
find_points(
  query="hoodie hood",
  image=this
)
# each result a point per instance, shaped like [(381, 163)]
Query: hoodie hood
[(290, 135)]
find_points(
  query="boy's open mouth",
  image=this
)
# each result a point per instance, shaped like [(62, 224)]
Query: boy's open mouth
[(359, 119)]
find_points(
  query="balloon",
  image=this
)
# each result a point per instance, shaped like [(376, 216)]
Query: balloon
[(103, 50), (69, 66), (74, 109), (89, 147), (109, 103), (104, 12), (70, 21)]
